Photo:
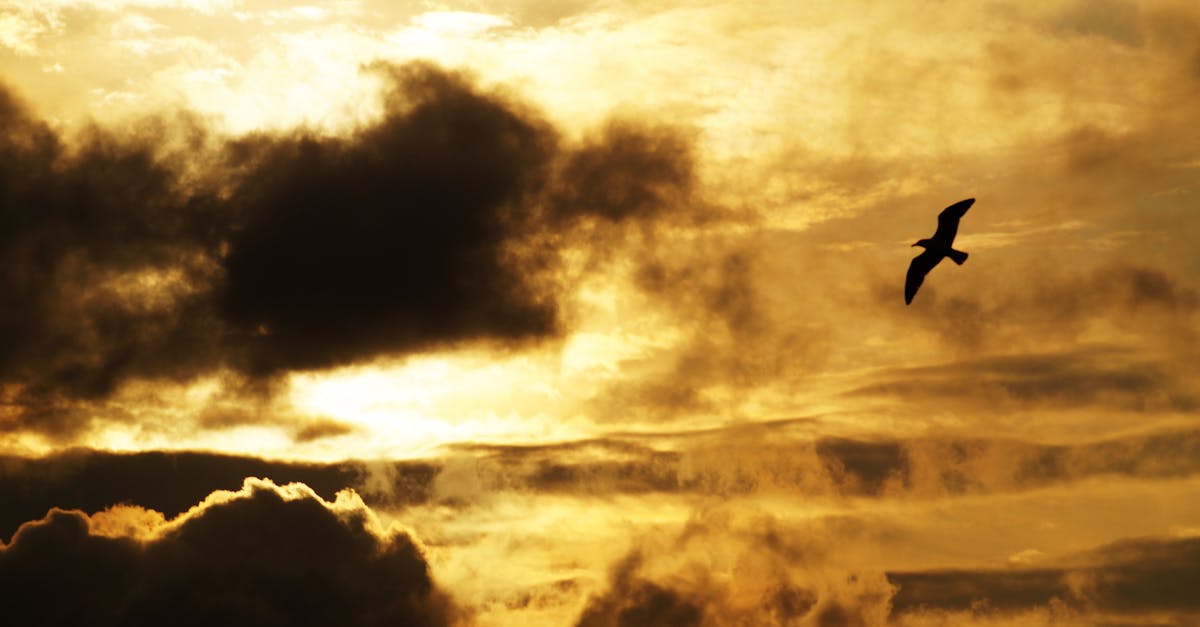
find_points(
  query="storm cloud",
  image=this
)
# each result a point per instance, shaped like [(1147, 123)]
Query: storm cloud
[(400, 237), (164, 252)]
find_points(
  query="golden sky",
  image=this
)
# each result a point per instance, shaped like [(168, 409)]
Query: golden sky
[(591, 313)]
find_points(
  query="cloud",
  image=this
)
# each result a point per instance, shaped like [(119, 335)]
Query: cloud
[(105, 257), (438, 224), (1155, 576), (730, 566), (631, 601), (626, 171), (396, 239), (264, 555), (1058, 306), (727, 463), (737, 326), (171, 483), (737, 568), (161, 251), (1087, 377), (320, 429)]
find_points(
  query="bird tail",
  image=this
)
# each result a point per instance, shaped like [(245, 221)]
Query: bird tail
[(957, 255)]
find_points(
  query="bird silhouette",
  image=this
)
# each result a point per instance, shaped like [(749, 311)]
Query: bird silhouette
[(936, 247)]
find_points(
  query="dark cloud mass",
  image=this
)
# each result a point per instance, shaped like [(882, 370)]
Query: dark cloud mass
[(161, 252), (263, 556), (440, 223), (393, 239), (102, 251)]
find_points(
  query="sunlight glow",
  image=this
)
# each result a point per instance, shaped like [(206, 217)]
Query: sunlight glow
[(420, 404)]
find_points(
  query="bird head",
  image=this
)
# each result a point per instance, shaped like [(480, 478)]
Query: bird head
[(923, 243)]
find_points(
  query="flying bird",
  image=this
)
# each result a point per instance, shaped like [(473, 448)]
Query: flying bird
[(936, 247)]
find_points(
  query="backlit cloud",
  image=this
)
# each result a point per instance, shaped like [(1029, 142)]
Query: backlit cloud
[(263, 555)]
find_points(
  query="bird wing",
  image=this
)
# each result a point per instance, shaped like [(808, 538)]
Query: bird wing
[(920, 266), (948, 221)]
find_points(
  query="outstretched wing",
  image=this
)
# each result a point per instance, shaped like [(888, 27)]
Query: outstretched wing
[(920, 266), (948, 221)]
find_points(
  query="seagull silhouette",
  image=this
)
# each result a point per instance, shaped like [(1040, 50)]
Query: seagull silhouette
[(936, 247)]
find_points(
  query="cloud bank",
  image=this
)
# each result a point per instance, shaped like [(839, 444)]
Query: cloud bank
[(729, 463), (264, 555)]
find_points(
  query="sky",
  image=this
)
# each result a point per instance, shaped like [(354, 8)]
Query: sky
[(591, 313)]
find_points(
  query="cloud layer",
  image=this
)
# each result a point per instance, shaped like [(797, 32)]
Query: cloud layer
[(269, 554), (732, 463), (1143, 576)]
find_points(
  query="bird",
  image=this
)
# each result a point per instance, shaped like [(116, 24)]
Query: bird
[(936, 248)]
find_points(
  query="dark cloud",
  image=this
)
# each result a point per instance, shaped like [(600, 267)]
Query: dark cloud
[(172, 482), (863, 467), (627, 171), (439, 224), (161, 252), (958, 590), (633, 601), (321, 429), (263, 556), (395, 239), (1153, 575), (1141, 574), (783, 577), (103, 250)]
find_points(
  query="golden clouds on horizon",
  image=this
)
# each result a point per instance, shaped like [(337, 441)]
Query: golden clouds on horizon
[(571, 543)]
